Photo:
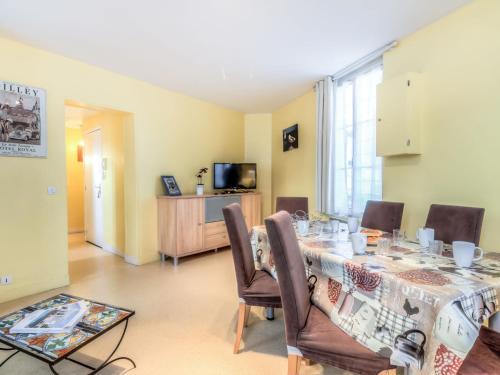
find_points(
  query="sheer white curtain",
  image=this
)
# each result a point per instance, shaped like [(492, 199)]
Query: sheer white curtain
[(349, 173)]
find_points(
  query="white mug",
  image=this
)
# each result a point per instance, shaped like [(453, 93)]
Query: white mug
[(352, 224), (359, 242), (424, 236), (303, 227), (463, 253)]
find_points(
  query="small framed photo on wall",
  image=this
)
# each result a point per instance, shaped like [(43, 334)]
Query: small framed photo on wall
[(291, 138), (171, 187)]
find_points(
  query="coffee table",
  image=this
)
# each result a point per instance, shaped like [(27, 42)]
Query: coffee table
[(53, 348)]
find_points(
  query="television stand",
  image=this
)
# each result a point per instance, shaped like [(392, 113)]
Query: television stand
[(190, 224), (235, 191)]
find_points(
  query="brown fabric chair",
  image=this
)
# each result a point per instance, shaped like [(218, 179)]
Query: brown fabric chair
[(309, 332), (255, 288), (455, 223), (484, 357), (384, 216), (292, 204)]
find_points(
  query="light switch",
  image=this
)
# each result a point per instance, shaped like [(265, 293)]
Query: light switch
[(51, 190)]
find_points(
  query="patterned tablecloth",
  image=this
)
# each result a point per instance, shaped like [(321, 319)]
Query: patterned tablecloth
[(375, 298)]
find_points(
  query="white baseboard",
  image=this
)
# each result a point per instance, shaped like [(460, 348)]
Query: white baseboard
[(132, 260), (112, 249)]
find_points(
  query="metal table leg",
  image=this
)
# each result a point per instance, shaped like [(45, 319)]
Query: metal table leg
[(269, 313), (106, 362), (9, 357)]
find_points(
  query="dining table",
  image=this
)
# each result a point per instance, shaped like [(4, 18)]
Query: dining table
[(387, 300)]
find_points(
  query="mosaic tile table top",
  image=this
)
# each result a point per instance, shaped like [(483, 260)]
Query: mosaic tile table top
[(53, 347), (375, 298)]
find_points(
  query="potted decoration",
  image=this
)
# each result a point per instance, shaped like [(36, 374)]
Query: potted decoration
[(199, 185)]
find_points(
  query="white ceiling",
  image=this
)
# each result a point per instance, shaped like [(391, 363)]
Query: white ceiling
[(252, 55)]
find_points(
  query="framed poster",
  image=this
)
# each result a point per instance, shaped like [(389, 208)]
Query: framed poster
[(23, 123), (291, 138)]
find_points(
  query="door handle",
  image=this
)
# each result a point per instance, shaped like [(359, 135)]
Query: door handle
[(98, 187)]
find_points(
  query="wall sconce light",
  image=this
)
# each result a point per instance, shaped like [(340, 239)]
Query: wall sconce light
[(79, 152)]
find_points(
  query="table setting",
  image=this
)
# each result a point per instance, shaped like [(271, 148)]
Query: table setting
[(419, 302)]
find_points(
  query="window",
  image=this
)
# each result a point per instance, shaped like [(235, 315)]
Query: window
[(351, 173)]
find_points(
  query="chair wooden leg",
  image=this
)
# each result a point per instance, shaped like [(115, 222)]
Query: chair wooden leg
[(293, 364), (239, 327), (388, 372), (247, 314)]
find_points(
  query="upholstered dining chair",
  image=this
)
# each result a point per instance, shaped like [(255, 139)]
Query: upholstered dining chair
[(255, 287), (484, 357), (292, 204), (455, 223), (384, 216), (309, 332)]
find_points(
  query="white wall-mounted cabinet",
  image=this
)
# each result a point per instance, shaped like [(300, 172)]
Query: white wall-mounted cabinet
[(399, 115)]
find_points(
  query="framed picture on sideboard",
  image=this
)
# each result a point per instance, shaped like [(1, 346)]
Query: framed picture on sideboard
[(171, 187)]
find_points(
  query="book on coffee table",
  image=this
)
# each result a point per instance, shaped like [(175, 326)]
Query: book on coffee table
[(60, 319)]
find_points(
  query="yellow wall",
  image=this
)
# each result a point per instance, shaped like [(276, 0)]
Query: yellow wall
[(459, 57), (74, 181), (166, 133), (112, 138), (294, 172), (258, 149)]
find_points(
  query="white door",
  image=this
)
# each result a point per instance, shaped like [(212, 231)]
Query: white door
[(94, 231)]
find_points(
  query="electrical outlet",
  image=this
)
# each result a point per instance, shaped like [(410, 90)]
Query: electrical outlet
[(5, 280)]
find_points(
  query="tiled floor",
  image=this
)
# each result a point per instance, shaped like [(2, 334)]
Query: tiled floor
[(185, 318)]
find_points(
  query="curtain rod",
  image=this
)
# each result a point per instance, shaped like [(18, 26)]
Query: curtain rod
[(364, 60)]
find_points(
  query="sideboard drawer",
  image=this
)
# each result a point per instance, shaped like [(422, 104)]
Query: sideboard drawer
[(216, 240), (217, 227)]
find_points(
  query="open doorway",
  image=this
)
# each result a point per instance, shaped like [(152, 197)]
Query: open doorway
[(95, 184)]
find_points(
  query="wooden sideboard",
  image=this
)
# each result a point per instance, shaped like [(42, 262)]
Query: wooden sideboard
[(191, 224)]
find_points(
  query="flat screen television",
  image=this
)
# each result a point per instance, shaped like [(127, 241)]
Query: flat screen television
[(235, 176)]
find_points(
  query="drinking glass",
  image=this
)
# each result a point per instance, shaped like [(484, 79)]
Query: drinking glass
[(316, 228), (335, 228), (398, 236), (436, 247), (383, 245), (352, 224), (326, 229)]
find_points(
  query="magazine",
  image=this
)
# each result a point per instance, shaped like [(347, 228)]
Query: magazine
[(60, 319)]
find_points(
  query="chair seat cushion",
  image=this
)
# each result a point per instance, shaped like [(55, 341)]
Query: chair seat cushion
[(322, 341), (484, 357), (263, 291)]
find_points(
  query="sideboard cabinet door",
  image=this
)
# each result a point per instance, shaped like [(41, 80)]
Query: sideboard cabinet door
[(190, 217)]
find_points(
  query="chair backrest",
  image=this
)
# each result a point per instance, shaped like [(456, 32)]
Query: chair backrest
[(384, 216), (291, 273), (491, 339), (455, 223), (292, 204), (240, 245), (484, 357)]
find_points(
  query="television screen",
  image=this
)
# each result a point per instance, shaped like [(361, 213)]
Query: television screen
[(235, 175)]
